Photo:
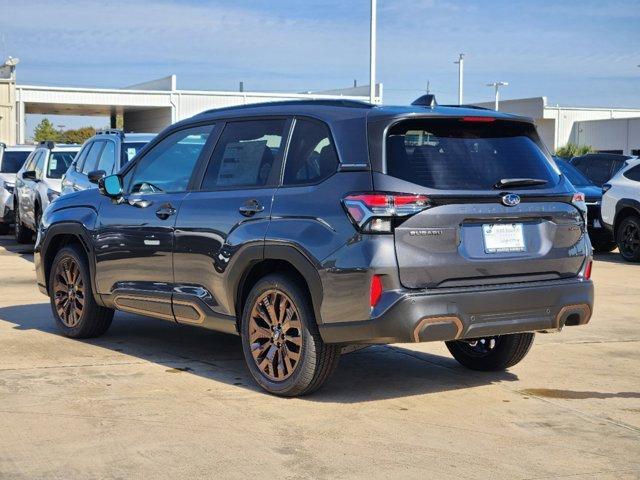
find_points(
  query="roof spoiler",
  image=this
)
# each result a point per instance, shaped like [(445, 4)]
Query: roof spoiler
[(427, 100)]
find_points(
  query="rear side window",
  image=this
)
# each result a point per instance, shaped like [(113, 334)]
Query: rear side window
[(91, 160), (633, 173), (312, 156), (12, 161), (598, 170), (452, 154), (246, 155)]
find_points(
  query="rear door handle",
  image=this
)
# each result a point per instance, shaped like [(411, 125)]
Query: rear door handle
[(251, 207), (165, 211)]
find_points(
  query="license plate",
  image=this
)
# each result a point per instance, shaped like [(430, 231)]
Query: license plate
[(503, 237)]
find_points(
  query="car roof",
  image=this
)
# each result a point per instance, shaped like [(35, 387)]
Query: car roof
[(19, 148), (139, 137), (329, 110), (604, 156)]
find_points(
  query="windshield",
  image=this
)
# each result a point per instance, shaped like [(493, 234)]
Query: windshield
[(59, 163), (12, 161), (574, 175), (130, 150), (467, 154)]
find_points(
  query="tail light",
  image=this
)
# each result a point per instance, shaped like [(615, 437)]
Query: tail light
[(376, 290), (377, 212), (587, 270), (578, 197), (478, 119)]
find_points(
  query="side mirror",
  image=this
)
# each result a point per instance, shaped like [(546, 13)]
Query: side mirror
[(110, 186), (29, 175), (96, 175)]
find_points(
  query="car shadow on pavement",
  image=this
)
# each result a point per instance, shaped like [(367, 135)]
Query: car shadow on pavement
[(373, 373), (612, 257), (24, 250)]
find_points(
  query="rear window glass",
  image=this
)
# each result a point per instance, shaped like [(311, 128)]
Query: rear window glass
[(452, 154), (12, 161)]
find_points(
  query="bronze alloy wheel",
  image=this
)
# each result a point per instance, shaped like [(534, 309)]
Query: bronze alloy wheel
[(275, 335), (68, 290)]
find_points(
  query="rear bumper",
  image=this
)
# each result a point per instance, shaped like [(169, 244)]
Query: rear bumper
[(471, 313)]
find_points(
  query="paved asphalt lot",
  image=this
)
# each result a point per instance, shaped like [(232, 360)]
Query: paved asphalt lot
[(152, 400)]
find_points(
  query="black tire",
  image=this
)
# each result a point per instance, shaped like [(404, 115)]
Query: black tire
[(22, 233), (4, 229), (628, 238), (507, 351), (94, 320), (317, 360), (604, 246)]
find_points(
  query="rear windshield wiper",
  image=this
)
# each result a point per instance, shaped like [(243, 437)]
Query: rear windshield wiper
[(519, 182)]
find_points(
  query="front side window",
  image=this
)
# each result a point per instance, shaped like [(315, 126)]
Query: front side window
[(168, 166), (91, 160), (13, 161), (59, 163), (246, 155), (311, 156), (107, 159), (39, 165), (459, 154)]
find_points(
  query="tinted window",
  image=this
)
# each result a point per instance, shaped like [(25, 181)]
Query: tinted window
[(91, 160), (59, 163), (598, 170), (459, 155), (574, 175), (246, 155), (130, 150), (31, 163), (12, 161), (107, 158), (633, 173), (168, 166), (311, 156)]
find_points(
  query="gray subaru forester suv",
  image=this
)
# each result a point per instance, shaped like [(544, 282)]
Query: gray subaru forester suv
[(306, 227)]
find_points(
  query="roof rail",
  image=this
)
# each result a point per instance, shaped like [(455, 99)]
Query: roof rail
[(48, 143), (111, 131), (322, 102)]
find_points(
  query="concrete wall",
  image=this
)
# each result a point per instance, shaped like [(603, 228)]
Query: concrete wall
[(150, 120), (617, 134), (7, 112)]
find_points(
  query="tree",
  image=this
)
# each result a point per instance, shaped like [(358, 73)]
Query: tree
[(79, 135), (571, 150), (44, 132)]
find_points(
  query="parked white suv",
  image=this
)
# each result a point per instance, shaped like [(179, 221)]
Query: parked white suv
[(621, 209), (38, 184), (11, 160)]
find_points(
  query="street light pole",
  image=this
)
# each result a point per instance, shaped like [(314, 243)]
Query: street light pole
[(496, 86), (460, 63), (372, 54)]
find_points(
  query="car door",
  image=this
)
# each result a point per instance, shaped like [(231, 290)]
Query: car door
[(23, 185), (134, 236), (227, 215), (33, 191)]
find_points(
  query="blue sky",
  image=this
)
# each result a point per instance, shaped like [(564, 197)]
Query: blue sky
[(575, 52)]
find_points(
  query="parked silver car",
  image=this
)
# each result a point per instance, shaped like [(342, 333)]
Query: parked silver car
[(11, 159), (38, 183), (107, 151)]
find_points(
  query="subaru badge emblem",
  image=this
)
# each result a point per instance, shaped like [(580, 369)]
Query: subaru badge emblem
[(511, 199)]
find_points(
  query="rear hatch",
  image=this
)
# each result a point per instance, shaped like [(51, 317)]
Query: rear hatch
[(497, 209)]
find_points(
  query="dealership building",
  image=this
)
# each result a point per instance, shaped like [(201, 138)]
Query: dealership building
[(145, 107), (615, 130)]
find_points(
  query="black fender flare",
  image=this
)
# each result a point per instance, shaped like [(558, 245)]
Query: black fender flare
[(277, 251), (625, 203), (79, 231)]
